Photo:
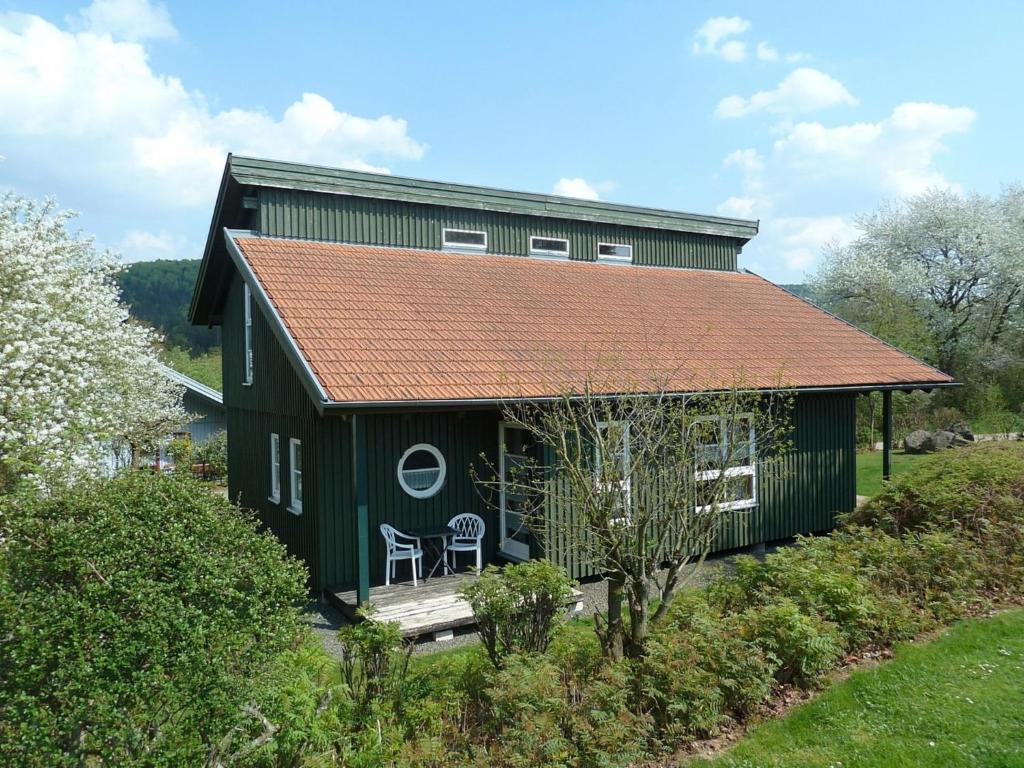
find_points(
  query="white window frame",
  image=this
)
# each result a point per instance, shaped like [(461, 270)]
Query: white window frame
[(626, 483), (547, 253), (294, 447), (445, 246), (275, 468), (750, 470), (247, 343), (433, 490), (616, 259)]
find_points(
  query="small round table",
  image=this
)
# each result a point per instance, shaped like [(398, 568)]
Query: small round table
[(430, 537)]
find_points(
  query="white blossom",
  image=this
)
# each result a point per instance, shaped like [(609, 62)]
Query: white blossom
[(76, 375)]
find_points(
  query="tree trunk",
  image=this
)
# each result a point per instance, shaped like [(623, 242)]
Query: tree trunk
[(613, 631), (639, 611)]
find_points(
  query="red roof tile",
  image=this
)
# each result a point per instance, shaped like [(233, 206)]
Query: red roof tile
[(395, 324)]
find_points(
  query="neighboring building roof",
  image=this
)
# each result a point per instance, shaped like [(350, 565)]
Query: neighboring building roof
[(195, 387), (379, 325), (272, 173)]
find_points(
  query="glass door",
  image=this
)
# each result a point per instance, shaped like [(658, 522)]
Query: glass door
[(514, 452)]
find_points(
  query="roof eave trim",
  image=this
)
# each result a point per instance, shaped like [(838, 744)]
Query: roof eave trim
[(193, 308), (284, 337), (339, 405)]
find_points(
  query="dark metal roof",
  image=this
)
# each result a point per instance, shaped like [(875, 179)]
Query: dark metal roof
[(273, 173)]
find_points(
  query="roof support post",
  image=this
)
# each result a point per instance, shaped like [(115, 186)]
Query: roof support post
[(361, 496), (887, 434)]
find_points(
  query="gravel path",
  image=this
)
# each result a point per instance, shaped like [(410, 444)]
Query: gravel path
[(325, 619)]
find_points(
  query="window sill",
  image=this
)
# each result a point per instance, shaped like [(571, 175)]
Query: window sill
[(295, 510), (246, 383), (274, 499)]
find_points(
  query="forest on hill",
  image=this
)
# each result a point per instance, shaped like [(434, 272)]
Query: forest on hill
[(159, 293)]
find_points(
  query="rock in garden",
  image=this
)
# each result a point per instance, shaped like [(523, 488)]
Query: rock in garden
[(919, 441), (962, 430), (944, 439)]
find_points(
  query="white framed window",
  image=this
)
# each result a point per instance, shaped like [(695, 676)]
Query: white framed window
[(247, 369), (275, 468), (463, 240), (616, 252), (725, 451), (549, 246), (295, 475), (421, 471), (613, 436)]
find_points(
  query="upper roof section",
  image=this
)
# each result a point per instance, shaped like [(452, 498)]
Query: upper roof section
[(315, 178), (371, 325), (282, 199)]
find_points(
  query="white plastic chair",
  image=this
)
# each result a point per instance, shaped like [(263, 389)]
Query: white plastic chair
[(469, 537), (399, 550)]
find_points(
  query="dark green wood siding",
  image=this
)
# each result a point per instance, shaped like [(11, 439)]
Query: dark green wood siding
[(347, 218), (275, 402)]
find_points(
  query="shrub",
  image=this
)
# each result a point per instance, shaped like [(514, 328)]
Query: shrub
[(180, 449), (374, 665), (698, 673), (517, 608), (137, 616), (214, 454), (803, 645)]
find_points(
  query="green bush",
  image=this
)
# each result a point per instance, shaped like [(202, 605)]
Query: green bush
[(214, 454), (698, 673), (803, 645), (517, 608), (137, 617)]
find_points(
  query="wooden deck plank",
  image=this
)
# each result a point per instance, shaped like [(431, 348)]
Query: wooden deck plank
[(431, 607)]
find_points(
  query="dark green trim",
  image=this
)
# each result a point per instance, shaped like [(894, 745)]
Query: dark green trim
[(271, 173), (361, 494)]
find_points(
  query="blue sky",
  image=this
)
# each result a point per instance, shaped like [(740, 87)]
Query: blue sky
[(799, 114)]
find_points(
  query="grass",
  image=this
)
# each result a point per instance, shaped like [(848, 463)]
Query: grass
[(869, 469), (957, 701)]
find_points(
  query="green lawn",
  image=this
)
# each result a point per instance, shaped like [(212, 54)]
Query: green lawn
[(869, 469), (958, 701)]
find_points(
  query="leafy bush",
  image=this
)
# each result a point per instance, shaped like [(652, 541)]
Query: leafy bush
[(803, 645), (181, 450), (214, 454), (517, 608), (374, 665), (137, 617), (698, 673)]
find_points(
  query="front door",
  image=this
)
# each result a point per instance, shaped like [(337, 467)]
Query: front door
[(514, 451)]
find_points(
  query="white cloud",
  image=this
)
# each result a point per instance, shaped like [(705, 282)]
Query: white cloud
[(803, 90), (84, 105), (754, 201), (127, 20), (799, 240), (141, 245), (766, 52), (898, 152), (714, 38), (581, 188)]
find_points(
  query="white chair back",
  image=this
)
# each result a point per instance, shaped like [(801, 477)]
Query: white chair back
[(467, 526), (388, 532)]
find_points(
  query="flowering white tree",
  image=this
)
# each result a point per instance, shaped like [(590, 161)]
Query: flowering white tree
[(76, 375), (940, 273)]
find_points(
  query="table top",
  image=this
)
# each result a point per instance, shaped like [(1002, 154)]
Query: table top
[(433, 532)]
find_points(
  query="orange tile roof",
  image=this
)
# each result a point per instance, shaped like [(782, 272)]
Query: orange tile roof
[(394, 324)]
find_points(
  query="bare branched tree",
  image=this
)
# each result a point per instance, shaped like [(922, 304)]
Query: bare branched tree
[(635, 485)]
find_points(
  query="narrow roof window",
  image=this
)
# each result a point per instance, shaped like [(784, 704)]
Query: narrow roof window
[(463, 240), (615, 252), (549, 246)]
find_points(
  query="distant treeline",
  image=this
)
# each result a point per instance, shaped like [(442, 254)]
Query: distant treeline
[(159, 292)]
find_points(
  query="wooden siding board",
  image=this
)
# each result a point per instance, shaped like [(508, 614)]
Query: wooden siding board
[(346, 218)]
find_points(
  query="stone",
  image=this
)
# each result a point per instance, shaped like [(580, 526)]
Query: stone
[(962, 430), (943, 439), (919, 441)]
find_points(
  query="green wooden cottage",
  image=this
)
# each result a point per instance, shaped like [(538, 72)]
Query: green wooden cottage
[(373, 324)]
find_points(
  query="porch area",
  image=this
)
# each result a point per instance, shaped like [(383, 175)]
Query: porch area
[(433, 608)]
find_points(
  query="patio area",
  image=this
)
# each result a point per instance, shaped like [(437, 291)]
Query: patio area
[(432, 608)]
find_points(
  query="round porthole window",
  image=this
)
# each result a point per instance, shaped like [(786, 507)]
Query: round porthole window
[(421, 471)]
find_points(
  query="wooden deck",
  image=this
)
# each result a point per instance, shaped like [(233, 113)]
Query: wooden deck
[(432, 608)]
